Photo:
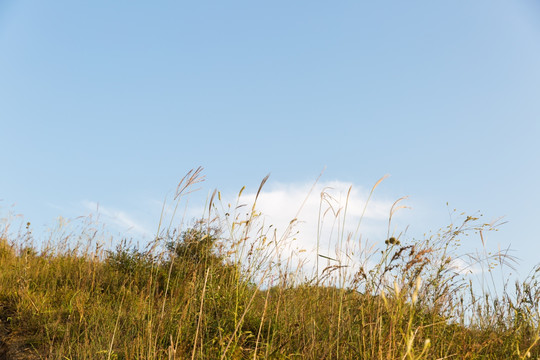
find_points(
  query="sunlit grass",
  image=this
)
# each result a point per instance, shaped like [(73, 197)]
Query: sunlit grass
[(224, 288)]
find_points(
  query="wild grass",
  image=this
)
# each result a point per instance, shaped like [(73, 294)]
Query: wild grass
[(223, 288)]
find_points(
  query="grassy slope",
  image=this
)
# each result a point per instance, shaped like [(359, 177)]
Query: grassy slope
[(189, 302), (227, 293)]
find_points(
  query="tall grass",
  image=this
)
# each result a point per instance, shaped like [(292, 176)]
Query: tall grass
[(223, 288)]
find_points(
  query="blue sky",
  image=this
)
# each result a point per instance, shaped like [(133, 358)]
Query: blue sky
[(113, 102)]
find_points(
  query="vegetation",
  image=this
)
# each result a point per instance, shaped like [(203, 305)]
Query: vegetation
[(221, 289)]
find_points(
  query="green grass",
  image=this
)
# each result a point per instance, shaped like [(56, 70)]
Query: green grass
[(221, 289)]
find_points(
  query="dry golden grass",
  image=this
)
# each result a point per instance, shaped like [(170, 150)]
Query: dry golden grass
[(221, 290)]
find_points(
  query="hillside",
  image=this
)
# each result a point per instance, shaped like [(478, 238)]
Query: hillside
[(184, 296)]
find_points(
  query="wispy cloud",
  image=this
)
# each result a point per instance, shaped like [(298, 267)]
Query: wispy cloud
[(118, 219)]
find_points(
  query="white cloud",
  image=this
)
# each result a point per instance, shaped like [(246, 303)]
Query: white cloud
[(330, 211)]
